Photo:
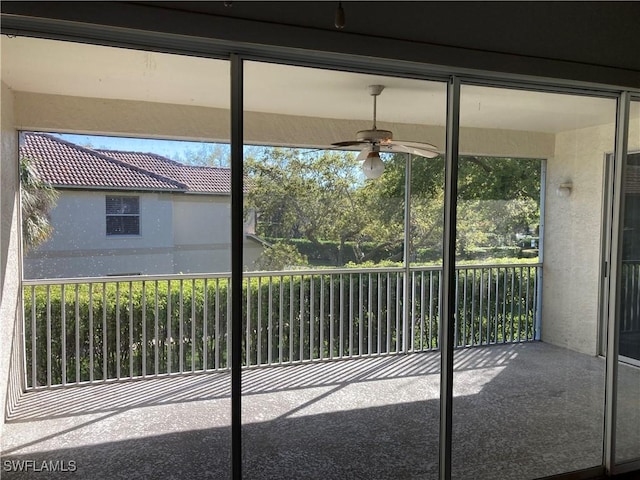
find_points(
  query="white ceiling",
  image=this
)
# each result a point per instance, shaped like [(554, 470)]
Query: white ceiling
[(62, 68)]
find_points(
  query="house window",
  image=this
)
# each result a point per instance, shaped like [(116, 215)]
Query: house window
[(123, 215)]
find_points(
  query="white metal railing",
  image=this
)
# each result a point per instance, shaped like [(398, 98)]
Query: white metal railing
[(86, 330)]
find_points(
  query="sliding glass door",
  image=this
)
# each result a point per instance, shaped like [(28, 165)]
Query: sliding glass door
[(528, 386), (628, 381), (126, 236), (340, 313)]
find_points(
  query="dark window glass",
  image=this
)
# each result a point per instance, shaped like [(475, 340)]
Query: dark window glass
[(123, 205), (123, 215)]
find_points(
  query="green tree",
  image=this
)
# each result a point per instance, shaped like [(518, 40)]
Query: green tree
[(497, 197), (38, 199), (386, 197), (322, 196), (207, 155), (302, 194)]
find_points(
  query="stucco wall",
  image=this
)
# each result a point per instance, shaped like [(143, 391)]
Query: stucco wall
[(201, 220), (202, 226), (9, 247), (202, 231), (178, 234), (35, 111), (498, 142), (79, 245), (202, 235), (572, 238)]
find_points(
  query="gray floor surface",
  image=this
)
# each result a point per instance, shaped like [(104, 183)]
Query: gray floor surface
[(520, 411)]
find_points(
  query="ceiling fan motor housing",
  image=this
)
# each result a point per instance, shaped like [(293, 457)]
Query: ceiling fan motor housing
[(374, 136), (375, 90)]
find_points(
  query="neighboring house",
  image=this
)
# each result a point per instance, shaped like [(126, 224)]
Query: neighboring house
[(131, 213)]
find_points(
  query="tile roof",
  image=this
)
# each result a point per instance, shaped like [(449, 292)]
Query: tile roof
[(64, 164), (196, 178)]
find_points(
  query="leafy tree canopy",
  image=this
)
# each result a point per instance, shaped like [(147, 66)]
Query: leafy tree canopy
[(303, 194), (322, 196)]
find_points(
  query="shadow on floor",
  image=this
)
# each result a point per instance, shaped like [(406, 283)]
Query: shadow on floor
[(520, 411), (391, 442), (112, 396)]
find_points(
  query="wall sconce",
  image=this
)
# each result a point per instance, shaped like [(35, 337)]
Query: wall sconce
[(564, 189)]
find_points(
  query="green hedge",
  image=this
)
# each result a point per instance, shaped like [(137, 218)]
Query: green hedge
[(110, 312), (327, 253)]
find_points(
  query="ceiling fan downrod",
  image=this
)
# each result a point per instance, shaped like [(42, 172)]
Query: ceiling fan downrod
[(374, 91), (374, 135)]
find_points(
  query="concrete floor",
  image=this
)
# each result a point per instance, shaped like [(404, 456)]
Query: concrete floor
[(520, 411)]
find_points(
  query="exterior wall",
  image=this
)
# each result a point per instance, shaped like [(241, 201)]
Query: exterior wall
[(202, 233), (9, 257), (497, 142), (79, 245), (572, 264), (35, 111), (201, 219), (202, 229), (178, 234), (572, 238)]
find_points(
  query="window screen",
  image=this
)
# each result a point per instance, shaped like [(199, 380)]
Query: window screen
[(123, 215)]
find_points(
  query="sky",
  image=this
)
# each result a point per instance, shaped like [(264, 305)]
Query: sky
[(173, 149), (181, 151)]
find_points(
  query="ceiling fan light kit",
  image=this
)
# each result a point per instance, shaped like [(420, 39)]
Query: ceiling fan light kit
[(376, 141), (372, 166)]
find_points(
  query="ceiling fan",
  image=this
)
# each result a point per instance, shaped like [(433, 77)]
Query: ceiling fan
[(376, 141)]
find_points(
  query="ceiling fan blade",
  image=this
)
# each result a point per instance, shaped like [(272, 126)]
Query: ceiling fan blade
[(422, 145), (349, 143), (394, 147), (363, 154)]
